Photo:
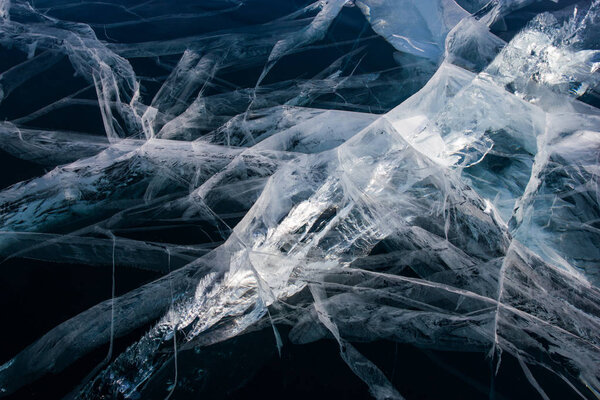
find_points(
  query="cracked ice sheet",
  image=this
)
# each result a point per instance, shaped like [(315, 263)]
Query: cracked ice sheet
[(482, 188)]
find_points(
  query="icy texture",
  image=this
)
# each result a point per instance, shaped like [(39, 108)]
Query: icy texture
[(463, 216), (416, 27)]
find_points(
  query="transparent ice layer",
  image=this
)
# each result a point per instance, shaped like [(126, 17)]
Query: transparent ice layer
[(411, 175)]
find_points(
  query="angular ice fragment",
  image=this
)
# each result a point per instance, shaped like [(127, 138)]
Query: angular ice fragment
[(418, 28)]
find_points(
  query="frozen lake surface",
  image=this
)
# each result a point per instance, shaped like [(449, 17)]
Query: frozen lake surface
[(291, 199)]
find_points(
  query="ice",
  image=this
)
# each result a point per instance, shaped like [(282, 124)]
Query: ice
[(418, 28), (449, 201)]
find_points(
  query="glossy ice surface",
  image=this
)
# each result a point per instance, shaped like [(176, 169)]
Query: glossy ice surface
[(420, 171)]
